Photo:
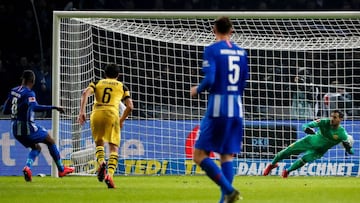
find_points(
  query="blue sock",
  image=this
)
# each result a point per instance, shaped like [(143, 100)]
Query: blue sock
[(214, 172), (31, 157), (228, 171), (54, 152)]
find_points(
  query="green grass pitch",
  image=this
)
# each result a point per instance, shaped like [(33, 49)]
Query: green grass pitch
[(176, 189)]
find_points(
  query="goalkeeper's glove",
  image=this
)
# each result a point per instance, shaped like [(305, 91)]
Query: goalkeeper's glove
[(309, 131), (351, 151), (348, 148)]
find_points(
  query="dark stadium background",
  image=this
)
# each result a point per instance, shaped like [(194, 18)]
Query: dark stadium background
[(19, 41)]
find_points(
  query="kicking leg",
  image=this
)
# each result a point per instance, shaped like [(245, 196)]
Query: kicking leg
[(35, 151), (54, 152)]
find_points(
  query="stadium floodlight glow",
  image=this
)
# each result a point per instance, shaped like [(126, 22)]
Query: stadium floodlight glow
[(161, 53)]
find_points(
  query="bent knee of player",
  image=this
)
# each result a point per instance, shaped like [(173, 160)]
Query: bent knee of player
[(36, 147), (49, 140), (199, 155)]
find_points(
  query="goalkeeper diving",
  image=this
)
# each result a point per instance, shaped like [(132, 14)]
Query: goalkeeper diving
[(315, 144)]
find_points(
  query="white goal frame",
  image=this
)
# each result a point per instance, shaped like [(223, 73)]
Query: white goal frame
[(57, 15)]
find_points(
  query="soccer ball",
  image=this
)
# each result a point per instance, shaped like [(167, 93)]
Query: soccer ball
[(350, 140)]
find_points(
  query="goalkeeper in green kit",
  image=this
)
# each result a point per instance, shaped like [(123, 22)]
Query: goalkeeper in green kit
[(315, 144)]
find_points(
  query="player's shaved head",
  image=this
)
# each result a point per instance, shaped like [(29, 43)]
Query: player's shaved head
[(112, 70), (223, 25), (28, 77)]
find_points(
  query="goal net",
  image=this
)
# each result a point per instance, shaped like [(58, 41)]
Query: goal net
[(302, 66)]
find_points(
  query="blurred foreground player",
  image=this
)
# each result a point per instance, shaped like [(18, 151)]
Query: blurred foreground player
[(226, 71)]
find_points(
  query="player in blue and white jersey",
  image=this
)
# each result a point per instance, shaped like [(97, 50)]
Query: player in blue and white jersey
[(226, 71), (21, 104)]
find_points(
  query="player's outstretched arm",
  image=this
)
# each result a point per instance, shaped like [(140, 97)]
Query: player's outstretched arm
[(59, 109), (37, 107)]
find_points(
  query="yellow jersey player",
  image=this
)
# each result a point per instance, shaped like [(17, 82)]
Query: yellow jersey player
[(105, 121)]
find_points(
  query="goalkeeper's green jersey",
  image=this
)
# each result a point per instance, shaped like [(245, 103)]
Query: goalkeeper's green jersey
[(326, 136)]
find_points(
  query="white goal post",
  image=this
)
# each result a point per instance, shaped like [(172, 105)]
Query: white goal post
[(302, 66)]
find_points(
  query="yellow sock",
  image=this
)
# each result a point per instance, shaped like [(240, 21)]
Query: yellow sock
[(100, 154), (112, 163)]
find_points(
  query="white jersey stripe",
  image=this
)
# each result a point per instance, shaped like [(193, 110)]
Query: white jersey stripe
[(241, 114), (230, 106), (217, 105)]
